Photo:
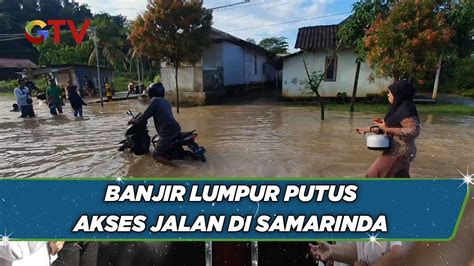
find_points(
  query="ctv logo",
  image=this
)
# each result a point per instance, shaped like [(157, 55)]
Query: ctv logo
[(42, 35)]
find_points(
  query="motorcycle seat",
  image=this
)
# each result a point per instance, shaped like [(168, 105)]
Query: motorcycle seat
[(185, 134)]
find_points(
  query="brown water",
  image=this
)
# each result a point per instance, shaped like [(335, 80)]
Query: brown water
[(257, 138)]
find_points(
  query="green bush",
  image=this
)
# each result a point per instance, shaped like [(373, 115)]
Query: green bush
[(448, 87), (126, 75), (464, 74), (376, 98), (341, 98), (468, 93), (41, 84), (7, 86), (458, 77), (122, 79)]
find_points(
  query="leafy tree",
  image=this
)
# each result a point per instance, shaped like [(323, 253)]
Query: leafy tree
[(276, 45), (110, 40), (49, 9), (460, 17), (464, 74), (26, 10), (30, 6), (251, 40), (65, 53), (352, 31), (10, 6), (174, 31), (5, 20), (315, 78), (409, 42)]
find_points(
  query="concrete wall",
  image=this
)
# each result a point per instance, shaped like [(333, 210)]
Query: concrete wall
[(250, 75), (190, 83), (222, 64), (212, 56), (233, 62), (294, 76), (189, 78)]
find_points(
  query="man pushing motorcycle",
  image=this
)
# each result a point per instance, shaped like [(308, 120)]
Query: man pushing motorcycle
[(166, 126)]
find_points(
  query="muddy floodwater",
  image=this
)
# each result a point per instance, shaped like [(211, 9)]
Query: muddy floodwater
[(255, 138)]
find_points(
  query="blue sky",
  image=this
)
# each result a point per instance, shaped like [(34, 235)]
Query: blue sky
[(237, 19)]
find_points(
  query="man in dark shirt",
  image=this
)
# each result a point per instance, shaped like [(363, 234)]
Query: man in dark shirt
[(166, 126)]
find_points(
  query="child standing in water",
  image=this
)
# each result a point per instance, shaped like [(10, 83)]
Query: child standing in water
[(76, 101), (402, 124)]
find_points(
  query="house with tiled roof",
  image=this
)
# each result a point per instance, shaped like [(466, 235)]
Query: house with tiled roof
[(315, 44), (228, 66)]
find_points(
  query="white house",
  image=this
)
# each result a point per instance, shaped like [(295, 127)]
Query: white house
[(229, 64), (315, 44)]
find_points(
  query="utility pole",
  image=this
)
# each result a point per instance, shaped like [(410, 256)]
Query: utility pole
[(93, 30), (98, 68)]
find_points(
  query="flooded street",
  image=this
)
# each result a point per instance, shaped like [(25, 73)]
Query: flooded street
[(257, 138)]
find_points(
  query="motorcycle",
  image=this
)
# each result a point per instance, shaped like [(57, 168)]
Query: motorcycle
[(137, 140)]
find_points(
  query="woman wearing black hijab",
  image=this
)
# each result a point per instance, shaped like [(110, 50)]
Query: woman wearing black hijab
[(402, 124)]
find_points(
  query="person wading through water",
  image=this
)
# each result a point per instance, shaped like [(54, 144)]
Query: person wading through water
[(54, 98), (166, 126), (402, 124), (23, 99)]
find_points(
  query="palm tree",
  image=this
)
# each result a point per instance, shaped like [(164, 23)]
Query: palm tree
[(5, 20), (110, 41)]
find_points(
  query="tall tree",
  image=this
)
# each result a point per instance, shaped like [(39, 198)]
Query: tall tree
[(251, 40), (11, 7), (410, 41), (174, 31), (461, 18), (30, 6), (50, 9), (276, 45), (68, 52), (352, 31), (6, 20)]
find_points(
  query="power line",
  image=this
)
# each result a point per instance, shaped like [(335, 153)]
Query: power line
[(289, 22), (10, 34), (258, 11), (19, 36), (229, 5), (11, 39)]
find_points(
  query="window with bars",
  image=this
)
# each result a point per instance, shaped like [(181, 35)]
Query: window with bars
[(331, 69)]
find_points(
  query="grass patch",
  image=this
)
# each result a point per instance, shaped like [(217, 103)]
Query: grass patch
[(468, 93), (7, 86), (438, 108), (444, 108), (121, 83)]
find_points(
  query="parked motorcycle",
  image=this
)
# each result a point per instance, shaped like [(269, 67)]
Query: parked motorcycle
[(137, 140)]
